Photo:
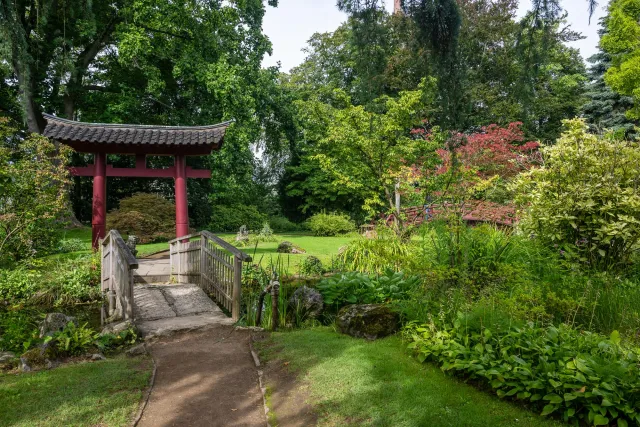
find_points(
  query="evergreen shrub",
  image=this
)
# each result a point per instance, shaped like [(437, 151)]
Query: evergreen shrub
[(231, 218), (149, 217), (333, 224)]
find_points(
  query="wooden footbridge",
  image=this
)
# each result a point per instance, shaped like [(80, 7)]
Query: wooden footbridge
[(176, 291)]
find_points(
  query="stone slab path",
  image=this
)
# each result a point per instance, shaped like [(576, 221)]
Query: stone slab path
[(162, 309), (153, 270), (205, 378)]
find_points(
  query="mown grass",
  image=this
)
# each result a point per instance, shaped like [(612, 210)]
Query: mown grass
[(356, 382), (325, 248), (105, 393)]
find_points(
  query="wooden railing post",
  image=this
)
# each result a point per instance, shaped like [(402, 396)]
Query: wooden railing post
[(203, 243), (237, 286)]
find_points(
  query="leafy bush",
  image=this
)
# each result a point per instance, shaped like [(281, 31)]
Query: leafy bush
[(52, 282), (265, 234), (112, 342), (311, 266), (147, 216), (376, 255), (323, 224), (586, 198), (71, 245), (231, 218), (582, 377), (33, 193), (360, 288), (281, 224), (73, 340)]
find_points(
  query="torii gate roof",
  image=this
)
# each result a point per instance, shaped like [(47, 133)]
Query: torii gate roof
[(136, 139)]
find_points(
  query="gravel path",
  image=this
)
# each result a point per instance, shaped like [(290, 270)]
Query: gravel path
[(205, 378)]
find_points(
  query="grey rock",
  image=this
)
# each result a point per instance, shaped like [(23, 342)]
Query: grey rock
[(24, 365), (6, 356), (98, 356), (55, 322), (51, 364), (306, 303), (137, 350), (370, 321), (116, 328)]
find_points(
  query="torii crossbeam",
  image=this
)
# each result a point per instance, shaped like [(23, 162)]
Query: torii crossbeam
[(140, 140)]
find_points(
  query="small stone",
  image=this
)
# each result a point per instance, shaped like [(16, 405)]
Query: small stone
[(116, 328), (370, 321), (24, 365), (98, 356), (51, 364), (137, 350), (55, 322), (6, 356)]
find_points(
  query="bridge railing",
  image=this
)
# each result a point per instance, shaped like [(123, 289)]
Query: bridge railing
[(215, 265), (117, 270)]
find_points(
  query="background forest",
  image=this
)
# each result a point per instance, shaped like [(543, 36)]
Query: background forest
[(170, 64)]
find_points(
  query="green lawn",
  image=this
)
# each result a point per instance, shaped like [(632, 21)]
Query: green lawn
[(325, 248), (357, 382), (105, 393)]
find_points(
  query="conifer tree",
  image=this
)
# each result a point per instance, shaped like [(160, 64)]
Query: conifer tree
[(605, 108)]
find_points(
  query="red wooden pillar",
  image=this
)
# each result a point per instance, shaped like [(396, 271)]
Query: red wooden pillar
[(99, 205), (182, 214)]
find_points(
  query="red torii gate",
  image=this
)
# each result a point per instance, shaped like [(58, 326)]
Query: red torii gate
[(139, 140)]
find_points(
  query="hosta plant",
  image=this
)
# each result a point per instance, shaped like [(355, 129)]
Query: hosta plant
[(581, 377)]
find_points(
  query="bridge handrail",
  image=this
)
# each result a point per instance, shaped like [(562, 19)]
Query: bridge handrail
[(117, 266), (211, 263), (225, 245)]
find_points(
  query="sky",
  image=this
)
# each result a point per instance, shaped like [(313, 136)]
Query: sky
[(293, 22)]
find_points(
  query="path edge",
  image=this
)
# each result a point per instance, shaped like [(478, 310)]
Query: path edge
[(263, 388), (147, 395)]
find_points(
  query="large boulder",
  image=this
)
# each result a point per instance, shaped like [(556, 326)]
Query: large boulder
[(370, 321), (306, 303), (55, 322)]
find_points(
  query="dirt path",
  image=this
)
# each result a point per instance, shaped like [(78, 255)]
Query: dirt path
[(205, 378)]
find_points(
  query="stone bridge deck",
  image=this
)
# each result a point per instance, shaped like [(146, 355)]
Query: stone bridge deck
[(161, 309)]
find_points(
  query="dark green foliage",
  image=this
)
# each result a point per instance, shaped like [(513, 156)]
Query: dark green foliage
[(579, 377), (359, 288), (232, 217), (311, 266), (605, 109), (146, 216), (18, 331), (334, 224), (281, 224), (73, 340)]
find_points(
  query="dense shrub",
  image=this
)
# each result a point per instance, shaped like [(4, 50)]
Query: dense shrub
[(581, 377), (311, 266), (323, 224), (146, 216), (52, 282), (281, 224), (586, 198), (359, 288), (33, 194), (231, 218)]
